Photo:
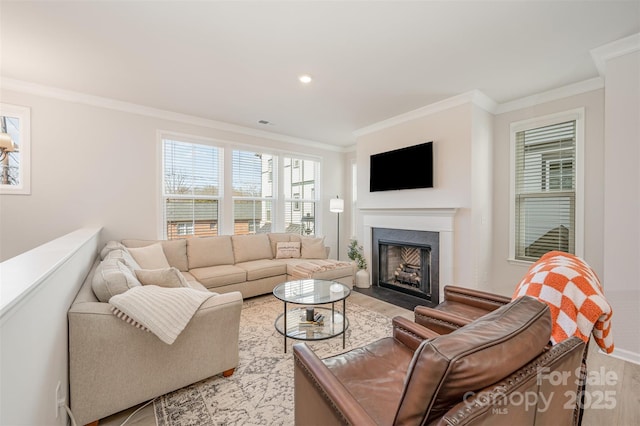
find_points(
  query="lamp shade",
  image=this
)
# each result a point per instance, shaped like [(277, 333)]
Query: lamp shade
[(336, 205)]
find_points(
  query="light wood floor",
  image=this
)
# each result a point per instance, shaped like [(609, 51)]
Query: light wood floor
[(626, 389)]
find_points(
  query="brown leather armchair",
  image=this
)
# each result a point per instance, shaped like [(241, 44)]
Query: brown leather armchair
[(494, 370), (460, 306)]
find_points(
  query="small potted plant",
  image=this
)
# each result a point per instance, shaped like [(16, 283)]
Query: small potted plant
[(355, 253)]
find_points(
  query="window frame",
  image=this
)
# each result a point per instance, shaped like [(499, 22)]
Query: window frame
[(576, 115)]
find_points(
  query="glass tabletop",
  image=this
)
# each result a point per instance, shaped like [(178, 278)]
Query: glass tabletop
[(311, 292)]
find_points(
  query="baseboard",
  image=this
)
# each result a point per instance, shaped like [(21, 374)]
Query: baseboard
[(624, 355)]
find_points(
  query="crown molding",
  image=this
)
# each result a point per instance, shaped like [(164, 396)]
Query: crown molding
[(552, 95), (474, 97), (614, 49), (113, 104)]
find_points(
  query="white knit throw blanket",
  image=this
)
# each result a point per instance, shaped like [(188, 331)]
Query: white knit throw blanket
[(163, 311)]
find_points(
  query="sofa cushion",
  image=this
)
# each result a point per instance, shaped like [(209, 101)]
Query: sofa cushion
[(150, 257), (174, 250), (197, 286), (209, 251), (251, 247), (263, 268), (287, 250), (189, 277), (473, 357), (313, 248), (221, 275), (275, 238), (123, 256), (112, 277), (166, 277)]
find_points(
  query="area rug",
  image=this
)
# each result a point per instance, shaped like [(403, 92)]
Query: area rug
[(260, 391)]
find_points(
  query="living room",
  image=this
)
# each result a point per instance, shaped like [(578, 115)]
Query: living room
[(107, 84)]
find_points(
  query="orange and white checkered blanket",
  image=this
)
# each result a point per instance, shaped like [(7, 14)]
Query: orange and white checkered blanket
[(574, 295)]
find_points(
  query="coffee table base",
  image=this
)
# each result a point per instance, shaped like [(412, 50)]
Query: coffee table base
[(334, 324)]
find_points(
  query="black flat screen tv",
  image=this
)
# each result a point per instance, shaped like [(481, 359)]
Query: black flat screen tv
[(404, 168)]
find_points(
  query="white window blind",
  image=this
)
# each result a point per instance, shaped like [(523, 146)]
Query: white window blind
[(253, 192), (300, 195), (191, 189), (545, 190)]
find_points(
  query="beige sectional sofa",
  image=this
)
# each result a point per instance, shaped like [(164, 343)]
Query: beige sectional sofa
[(250, 263), (114, 365)]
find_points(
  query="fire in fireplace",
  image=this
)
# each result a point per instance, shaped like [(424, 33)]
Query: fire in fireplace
[(406, 261)]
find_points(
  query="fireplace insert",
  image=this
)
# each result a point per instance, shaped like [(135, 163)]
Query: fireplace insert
[(406, 261)]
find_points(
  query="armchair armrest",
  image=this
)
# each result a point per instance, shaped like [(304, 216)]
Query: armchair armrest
[(476, 298), (411, 334), (319, 397), (439, 321)]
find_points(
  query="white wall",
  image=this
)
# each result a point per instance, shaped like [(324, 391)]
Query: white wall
[(34, 355), (622, 201), (505, 276), (482, 195), (461, 141), (98, 166)]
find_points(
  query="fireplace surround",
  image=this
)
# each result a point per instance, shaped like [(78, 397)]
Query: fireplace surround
[(437, 220)]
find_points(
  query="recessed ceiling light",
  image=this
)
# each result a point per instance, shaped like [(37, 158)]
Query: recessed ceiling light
[(305, 78)]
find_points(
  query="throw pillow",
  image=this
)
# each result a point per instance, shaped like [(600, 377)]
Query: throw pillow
[(112, 277), (110, 246), (150, 257), (174, 250), (123, 256), (287, 250), (313, 248), (167, 277), (275, 238)]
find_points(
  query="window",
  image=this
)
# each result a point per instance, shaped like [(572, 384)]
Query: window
[(191, 188), (252, 192), (546, 201), (300, 200), (15, 147), (210, 190), (184, 228)]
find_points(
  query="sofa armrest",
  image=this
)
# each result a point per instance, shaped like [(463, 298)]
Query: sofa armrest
[(439, 321), (411, 334), (476, 298), (319, 397), (114, 365)]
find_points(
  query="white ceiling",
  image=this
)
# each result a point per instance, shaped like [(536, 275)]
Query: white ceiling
[(238, 62)]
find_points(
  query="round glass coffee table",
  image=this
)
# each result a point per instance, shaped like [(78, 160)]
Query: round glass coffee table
[(310, 321)]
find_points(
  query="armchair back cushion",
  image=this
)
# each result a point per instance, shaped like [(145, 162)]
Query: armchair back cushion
[(209, 251), (471, 358)]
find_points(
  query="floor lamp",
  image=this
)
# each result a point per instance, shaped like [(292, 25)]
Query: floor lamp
[(336, 205)]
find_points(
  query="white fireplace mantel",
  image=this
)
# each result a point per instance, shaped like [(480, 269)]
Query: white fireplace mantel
[(439, 220)]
